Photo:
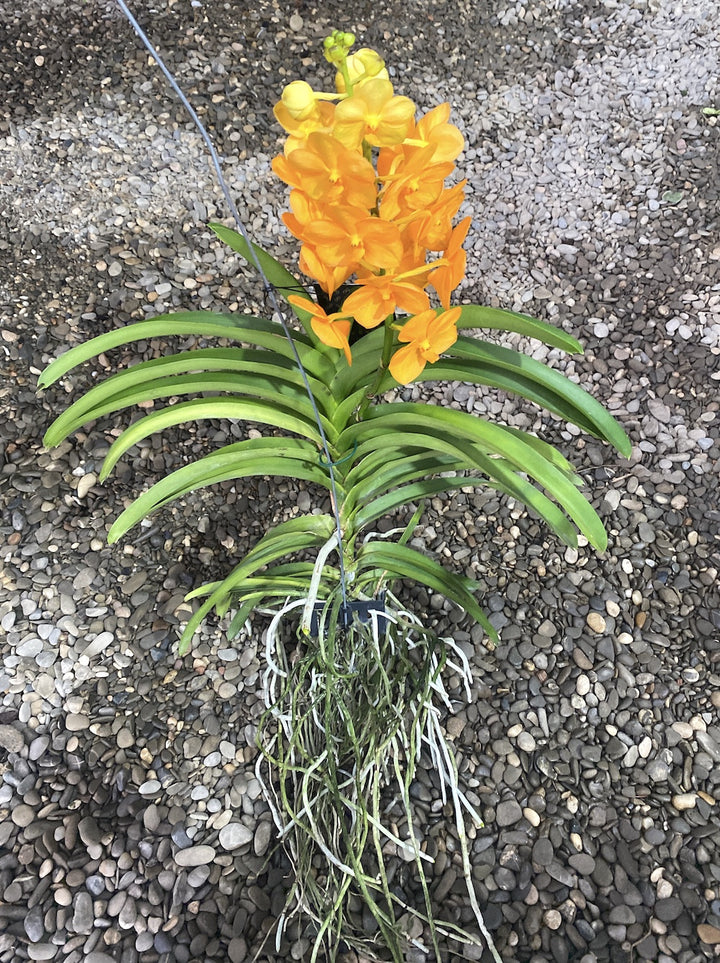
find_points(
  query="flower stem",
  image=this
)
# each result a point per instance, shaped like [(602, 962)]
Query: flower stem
[(382, 369)]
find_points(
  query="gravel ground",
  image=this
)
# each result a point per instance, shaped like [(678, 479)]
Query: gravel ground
[(131, 825)]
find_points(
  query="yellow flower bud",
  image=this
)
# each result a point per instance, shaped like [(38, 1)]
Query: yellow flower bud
[(299, 99), (364, 65)]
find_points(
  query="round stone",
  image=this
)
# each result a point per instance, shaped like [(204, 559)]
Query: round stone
[(196, 855), (582, 863), (508, 812), (22, 815), (124, 739), (532, 817), (668, 910), (709, 934), (234, 835), (543, 852), (10, 739), (76, 721), (526, 742), (42, 951), (596, 622), (263, 835)]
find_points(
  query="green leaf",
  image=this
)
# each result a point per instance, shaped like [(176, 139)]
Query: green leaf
[(241, 327), (273, 457), (297, 534), (603, 424), (497, 319), (443, 429), (278, 275), (497, 473), (296, 416), (366, 354), (207, 408), (382, 469), (515, 382), (262, 370), (401, 561), (404, 495), (302, 571)]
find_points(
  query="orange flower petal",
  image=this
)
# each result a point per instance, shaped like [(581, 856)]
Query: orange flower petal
[(406, 364)]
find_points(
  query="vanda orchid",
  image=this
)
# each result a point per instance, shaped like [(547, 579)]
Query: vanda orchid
[(376, 208)]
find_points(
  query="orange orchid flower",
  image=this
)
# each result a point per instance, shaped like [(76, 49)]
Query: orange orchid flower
[(450, 273), (434, 228), (378, 296), (328, 172), (303, 211), (373, 114), (329, 277), (413, 186), (350, 237), (428, 334), (331, 329), (433, 129)]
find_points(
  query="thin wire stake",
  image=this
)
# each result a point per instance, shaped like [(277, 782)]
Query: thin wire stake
[(268, 287)]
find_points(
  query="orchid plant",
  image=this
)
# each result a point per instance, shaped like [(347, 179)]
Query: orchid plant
[(374, 204)]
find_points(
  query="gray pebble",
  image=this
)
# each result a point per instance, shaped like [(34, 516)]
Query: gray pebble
[(526, 742), (180, 837), (22, 815), (38, 748), (151, 818), (10, 739), (34, 925), (543, 851), (95, 885), (42, 951), (195, 856), (237, 950), (76, 721), (89, 831), (82, 921), (508, 812), (668, 909), (30, 647), (234, 835), (263, 835), (150, 787)]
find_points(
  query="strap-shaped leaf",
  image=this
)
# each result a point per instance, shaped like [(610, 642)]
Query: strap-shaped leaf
[(291, 458), (381, 470), (298, 534), (292, 413), (345, 409), (274, 271), (479, 373), (261, 370), (497, 473), (301, 570), (587, 408), (264, 412), (404, 495), (241, 327), (442, 429), (401, 561), (366, 354), (497, 319)]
